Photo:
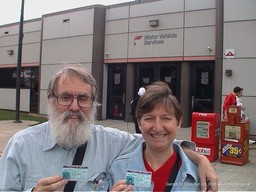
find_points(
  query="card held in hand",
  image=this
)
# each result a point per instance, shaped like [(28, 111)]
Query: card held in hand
[(74, 172), (138, 178)]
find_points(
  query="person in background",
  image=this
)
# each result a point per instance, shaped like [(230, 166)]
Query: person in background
[(239, 103), (34, 158), (230, 100), (159, 117), (133, 109)]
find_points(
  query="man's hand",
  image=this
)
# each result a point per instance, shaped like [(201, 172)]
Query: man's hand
[(207, 175), (55, 183)]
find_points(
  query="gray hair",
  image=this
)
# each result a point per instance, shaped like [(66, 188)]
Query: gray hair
[(74, 70)]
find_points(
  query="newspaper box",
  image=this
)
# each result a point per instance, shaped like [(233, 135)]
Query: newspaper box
[(234, 138), (205, 132)]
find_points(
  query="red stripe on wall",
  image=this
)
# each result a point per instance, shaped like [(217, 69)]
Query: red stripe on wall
[(157, 59), (22, 65)]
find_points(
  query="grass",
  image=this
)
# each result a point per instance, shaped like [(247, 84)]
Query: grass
[(11, 115)]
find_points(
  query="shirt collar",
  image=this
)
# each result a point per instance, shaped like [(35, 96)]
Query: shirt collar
[(49, 143)]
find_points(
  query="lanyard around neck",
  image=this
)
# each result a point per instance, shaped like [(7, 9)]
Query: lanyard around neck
[(78, 160)]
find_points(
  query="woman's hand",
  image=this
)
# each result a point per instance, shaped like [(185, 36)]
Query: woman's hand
[(121, 186)]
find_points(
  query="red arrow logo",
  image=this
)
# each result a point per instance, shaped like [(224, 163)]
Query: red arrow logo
[(229, 54)]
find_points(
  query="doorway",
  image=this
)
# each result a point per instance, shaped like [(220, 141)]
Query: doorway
[(116, 91), (166, 72), (202, 87)]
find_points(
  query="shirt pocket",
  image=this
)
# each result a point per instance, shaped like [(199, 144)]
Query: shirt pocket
[(31, 182), (99, 182)]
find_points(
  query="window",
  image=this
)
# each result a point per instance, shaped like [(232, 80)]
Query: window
[(29, 77)]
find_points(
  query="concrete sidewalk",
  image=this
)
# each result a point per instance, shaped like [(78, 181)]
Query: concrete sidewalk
[(231, 177)]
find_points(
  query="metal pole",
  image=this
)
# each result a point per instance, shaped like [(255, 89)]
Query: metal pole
[(18, 71)]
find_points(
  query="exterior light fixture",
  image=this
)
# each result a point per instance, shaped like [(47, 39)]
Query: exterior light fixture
[(210, 48), (66, 20), (10, 52), (154, 23)]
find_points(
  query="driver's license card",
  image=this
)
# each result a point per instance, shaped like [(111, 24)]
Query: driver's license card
[(74, 172), (138, 178)]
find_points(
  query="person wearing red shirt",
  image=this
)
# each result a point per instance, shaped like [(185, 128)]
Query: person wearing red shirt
[(230, 100), (158, 164)]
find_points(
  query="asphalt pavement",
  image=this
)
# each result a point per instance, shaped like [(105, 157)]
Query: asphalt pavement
[(231, 177)]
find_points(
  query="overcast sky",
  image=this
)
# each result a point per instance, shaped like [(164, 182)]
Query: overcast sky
[(10, 9)]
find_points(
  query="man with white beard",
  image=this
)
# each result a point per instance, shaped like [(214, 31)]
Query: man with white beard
[(34, 158)]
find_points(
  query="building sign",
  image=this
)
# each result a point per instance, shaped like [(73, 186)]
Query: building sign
[(153, 39), (230, 53)]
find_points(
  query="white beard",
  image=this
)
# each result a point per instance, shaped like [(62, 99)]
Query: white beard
[(67, 134)]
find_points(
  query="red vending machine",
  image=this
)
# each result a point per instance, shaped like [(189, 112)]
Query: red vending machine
[(234, 138), (205, 132)]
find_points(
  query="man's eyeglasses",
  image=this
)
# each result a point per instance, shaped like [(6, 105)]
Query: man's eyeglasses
[(82, 100), (101, 182)]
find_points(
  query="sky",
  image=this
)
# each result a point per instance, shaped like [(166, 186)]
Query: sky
[(10, 9)]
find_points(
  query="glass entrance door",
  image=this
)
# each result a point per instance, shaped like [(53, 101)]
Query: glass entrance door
[(116, 92), (168, 73), (202, 87)]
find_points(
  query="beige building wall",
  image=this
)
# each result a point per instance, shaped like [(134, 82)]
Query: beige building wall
[(66, 38), (184, 30), (9, 35), (8, 99), (239, 36), (70, 37)]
